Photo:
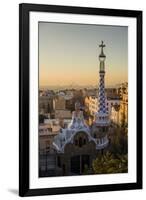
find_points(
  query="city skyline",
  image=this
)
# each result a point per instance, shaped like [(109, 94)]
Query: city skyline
[(74, 49)]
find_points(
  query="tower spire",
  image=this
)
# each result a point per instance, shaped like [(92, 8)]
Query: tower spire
[(102, 122), (102, 108), (102, 45), (102, 57)]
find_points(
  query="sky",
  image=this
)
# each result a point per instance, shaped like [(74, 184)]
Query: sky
[(68, 54)]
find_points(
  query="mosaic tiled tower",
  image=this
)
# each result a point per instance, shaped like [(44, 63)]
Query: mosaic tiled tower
[(102, 108), (101, 123)]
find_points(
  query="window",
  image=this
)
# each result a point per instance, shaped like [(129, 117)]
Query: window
[(58, 161), (84, 141), (80, 142), (104, 129), (76, 142), (49, 129)]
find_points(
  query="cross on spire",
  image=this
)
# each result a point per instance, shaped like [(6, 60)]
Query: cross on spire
[(102, 45)]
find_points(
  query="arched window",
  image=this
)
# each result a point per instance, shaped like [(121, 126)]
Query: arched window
[(80, 142), (76, 142), (84, 141)]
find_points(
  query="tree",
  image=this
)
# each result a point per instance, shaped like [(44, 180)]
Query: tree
[(87, 170), (108, 163), (123, 120), (119, 141)]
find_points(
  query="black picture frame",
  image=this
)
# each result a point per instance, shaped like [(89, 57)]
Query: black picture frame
[(24, 10)]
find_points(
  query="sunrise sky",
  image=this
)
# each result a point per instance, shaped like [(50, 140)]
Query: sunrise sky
[(68, 54)]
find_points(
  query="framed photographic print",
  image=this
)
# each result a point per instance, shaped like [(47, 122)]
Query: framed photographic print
[(80, 99)]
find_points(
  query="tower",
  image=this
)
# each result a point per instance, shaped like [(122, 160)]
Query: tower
[(102, 108), (101, 123)]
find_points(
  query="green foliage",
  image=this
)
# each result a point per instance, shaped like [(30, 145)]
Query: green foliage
[(109, 163), (87, 170), (119, 141), (116, 159)]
